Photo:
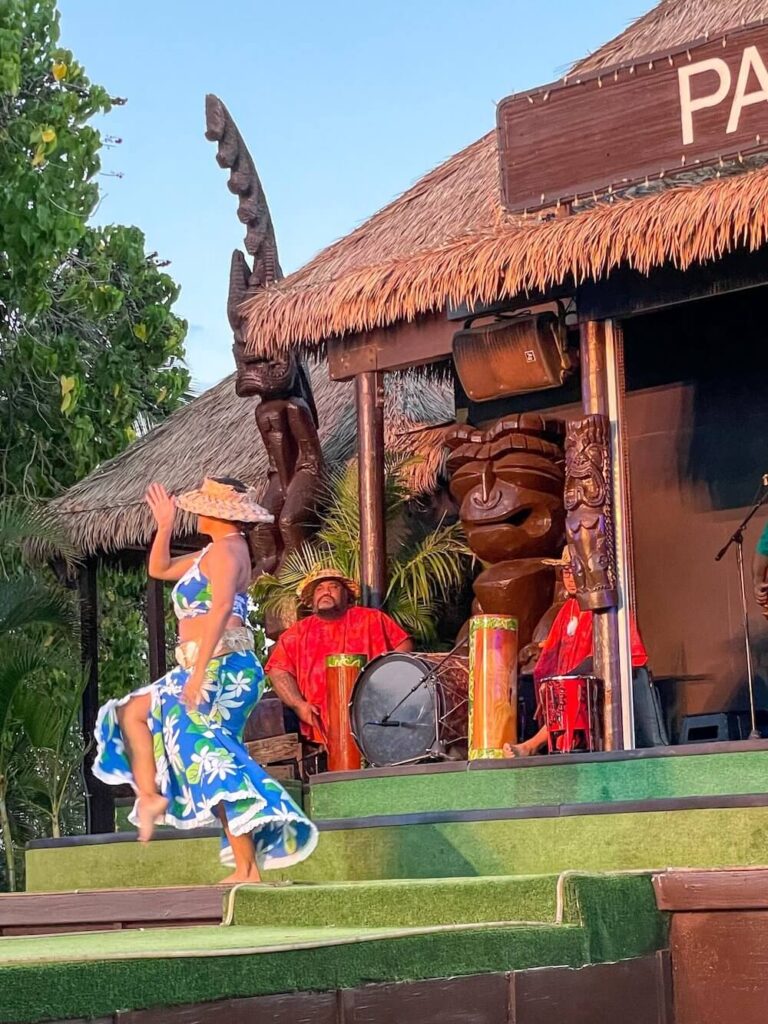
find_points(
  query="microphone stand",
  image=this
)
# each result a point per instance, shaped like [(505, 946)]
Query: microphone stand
[(737, 538), (427, 677)]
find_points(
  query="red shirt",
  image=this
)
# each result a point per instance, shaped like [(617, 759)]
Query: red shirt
[(304, 646), (569, 642)]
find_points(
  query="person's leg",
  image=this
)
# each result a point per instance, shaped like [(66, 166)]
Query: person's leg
[(528, 747), (132, 718), (246, 869)]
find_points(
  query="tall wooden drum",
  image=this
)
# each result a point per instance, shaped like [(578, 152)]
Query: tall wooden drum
[(492, 684), (341, 672)]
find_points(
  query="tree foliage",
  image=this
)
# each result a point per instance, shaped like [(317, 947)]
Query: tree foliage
[(91, 353), (90, 350)]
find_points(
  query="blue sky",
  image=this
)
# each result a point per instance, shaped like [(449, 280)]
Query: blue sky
[(342, 104)]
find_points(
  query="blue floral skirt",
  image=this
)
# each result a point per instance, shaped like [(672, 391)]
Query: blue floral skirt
[(201, 762)]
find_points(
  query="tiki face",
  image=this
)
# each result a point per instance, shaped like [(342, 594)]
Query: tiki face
[(269, 378), (508, 481)]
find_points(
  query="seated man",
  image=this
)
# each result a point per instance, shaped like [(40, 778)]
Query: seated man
[(567, 650), (296, 665)]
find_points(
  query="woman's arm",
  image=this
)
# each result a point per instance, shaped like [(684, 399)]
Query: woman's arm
[(221, 568), (160, 565)]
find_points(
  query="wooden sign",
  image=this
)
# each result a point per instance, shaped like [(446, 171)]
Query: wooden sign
[(655, 118)]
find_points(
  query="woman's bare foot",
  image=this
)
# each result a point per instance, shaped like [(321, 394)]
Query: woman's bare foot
[(148, 809), (251, 874)]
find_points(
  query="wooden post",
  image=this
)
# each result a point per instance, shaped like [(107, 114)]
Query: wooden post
[(99, 806), (156, 628), (605, 640), (622, 518), (369, 398)]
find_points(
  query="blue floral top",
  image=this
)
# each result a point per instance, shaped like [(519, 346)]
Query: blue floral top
[(192, 594)]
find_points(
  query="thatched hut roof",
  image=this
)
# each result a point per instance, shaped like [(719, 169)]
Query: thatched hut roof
[(448, 240), (216, 435)]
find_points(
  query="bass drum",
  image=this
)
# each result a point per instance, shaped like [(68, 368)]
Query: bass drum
[(423, 698)]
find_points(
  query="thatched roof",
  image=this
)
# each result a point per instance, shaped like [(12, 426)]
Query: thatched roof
[(216, 435), (448, 240)]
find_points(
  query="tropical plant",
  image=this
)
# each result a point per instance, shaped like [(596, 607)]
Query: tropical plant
[(35, 615), (52, 749), (90, 349), (426, 565)]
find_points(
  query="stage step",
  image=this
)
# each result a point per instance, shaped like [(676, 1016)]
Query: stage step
[(110, 909), (581, 920), (413, 903)]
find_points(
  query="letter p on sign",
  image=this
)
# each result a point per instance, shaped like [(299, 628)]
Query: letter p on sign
[(688, 105)]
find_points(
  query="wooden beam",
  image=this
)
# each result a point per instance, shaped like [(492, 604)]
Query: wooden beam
[(156, 628), (369, 399), (426, 340), (100, 811)]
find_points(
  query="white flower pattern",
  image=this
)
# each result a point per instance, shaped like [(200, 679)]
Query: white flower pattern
[(201, 762)]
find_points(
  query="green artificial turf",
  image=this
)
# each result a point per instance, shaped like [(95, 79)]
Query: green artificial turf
[(599, 918), (410, 903), (33, 992), (533, 786), (712, 837)]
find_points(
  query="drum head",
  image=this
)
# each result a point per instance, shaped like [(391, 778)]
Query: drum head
[(412, 730)]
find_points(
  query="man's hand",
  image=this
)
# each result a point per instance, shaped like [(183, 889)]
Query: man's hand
[(761, 593), (309, 714)]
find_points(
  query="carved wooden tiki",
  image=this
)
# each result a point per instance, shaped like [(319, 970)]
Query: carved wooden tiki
[(589, 512), (286, 417), (508, 481)]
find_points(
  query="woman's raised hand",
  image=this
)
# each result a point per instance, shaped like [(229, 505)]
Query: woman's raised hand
[(162, 504)]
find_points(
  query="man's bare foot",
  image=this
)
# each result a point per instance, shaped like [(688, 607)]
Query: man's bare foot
[(148, 809), (517, 750), (238, 877)]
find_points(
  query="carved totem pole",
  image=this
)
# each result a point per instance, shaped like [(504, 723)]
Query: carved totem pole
[(589, 514), (508, 480), (286, 417)]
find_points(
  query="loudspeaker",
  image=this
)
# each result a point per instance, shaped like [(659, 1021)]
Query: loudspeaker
[(511, 356)]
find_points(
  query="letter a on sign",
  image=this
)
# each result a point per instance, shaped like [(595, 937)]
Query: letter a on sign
[(751, 61), (688, 105)]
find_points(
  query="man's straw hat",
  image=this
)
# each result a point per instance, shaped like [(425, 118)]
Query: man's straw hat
[(307, 586), (559, 563), (222, 501)]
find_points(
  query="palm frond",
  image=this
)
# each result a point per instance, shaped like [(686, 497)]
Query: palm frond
[(432, 568), (25, 601), (20, 659), (22, 522)]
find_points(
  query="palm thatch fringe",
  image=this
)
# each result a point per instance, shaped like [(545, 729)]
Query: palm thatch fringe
[(447, 239), (216, 435), (681, 226)]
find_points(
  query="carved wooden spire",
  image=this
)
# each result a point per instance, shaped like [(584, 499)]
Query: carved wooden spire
[(252, 209)]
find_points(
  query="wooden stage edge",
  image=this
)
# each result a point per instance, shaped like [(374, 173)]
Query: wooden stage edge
[(597, 993)]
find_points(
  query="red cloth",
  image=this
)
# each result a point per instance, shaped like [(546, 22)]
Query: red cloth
[(569, 642), (303, 648)]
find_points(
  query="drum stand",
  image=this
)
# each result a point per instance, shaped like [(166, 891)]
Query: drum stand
[(737, 538), (428, 677)]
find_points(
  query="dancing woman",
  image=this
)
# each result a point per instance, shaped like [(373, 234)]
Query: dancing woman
[(178, 741)]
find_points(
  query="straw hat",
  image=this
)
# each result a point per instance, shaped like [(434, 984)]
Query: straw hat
[(222, 501), (559, 563), (306, 588)]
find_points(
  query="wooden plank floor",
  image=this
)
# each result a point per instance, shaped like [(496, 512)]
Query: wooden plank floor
[(107, 909)]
